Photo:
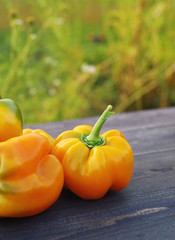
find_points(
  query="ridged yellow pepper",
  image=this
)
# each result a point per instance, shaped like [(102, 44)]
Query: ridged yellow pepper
[(94, 163), (31, 178)]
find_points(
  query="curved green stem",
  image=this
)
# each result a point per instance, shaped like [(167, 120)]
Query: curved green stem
[(94, 138)]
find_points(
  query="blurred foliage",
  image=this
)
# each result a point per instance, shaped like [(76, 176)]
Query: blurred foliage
[(69, 59)]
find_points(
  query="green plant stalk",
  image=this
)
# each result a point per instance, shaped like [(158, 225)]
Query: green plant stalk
[(13, 42), (21, 57), (136, 96)]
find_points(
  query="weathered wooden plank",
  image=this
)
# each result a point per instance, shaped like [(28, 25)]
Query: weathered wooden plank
[(144, 210), (125, 122), (142, 129)]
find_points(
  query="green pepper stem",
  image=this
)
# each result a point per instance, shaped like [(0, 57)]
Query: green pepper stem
[(94, 138)]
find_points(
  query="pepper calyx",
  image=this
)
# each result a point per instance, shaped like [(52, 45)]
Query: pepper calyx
[(101, 141), (94, 138)]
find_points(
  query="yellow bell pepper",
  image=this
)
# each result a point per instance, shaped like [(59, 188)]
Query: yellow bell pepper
[(31, 178), (94, 163)]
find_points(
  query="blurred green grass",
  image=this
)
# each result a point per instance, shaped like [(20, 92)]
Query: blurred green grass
[(69, 59)]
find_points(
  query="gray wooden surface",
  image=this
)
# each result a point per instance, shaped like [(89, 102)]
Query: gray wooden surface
[(144, 210)]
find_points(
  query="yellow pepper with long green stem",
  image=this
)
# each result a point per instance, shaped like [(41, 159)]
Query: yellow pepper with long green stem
[(94, 163)]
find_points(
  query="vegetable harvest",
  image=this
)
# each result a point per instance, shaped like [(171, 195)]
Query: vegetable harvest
[(94, 163), (31, 178)]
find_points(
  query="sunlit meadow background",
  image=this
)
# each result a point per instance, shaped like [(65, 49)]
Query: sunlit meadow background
[(65, 59)]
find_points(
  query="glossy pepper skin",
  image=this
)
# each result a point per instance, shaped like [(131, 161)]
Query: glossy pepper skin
[(31, 178), (94, 163), (10, 119)]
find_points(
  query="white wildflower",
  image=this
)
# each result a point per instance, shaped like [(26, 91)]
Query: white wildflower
[(19, 22), (86, 68), (50, 61), (56, 82), (59, 21), (52, 91), (33, 36)]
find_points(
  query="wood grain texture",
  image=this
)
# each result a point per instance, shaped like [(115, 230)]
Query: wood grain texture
[(144, 210)]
